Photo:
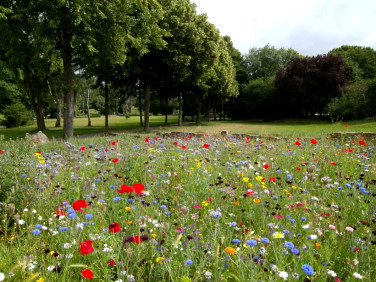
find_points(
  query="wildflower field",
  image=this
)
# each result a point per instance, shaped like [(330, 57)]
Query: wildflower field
[(205, 208)]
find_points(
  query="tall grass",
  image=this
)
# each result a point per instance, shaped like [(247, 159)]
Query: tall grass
[(188, 209)]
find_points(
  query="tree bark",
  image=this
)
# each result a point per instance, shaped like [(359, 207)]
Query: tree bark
[(140, 108), (106, 108), (166, 109), (180, 119), (198, 121), (36, 101), (58, 113), (68, 82), (88, 107), (147, 107)]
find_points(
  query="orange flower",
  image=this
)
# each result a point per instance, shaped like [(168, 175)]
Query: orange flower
[(317, 245), (230, 250), (256, 200)]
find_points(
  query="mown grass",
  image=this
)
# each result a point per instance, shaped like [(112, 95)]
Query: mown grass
[(276, 128)]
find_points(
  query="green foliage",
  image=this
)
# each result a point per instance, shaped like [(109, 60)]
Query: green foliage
[(352, 104), (267, 61), (361, 59), (16, 115), (371, 98)]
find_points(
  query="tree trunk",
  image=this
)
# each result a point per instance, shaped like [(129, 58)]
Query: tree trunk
[(36, 100), (147, 107), (106, 108), (68, 82), (215, 111), (88, 107), (198, 121), (166, 109), (58, 112), (140, 107), (180, 119)]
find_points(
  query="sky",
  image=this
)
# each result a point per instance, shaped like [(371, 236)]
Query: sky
[(311, 27)]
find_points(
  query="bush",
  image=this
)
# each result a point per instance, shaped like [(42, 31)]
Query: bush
[(16, 115)]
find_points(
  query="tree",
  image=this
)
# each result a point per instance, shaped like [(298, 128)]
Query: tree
[(307, 85), (361, 59), (25, 48), (266, 61)]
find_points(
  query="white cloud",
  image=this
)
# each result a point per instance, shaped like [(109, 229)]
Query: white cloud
[(309, 26)]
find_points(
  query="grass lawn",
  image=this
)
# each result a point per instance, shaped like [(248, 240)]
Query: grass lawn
[(275, 128)]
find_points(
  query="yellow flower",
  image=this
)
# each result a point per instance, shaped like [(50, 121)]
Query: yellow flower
[(256, 200), (236, 203), (129, 221), (278, 235), (245, 179), (159, 259), (154, 235), (198, 164), (40, 280), (230, 250), (249, 185), (205, 203), (128, 209)]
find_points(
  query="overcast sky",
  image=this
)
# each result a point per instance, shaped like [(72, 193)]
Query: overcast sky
[(311, 27)]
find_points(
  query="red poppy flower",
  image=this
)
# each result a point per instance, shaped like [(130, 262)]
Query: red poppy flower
[(206, 146), (115, 160), (155, 138), (87, 273), (147, 140), (313, 141), (272, 179), (361, 142), (111, 262), (137, 239), (113, 143), (297, 143), (297, 168), (184, 147), (266, 166), (59, 212), (1, 152), (77, 205), (82, 148), (138, 188), (125, 189), (332, 163), (114, 227), (86, 247), (176, 143), (346, 125)]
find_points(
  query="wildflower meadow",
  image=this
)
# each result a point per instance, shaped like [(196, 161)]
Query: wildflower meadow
[(192, 208)]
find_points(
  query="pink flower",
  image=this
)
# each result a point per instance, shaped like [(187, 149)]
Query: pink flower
[(350, 229), (332, 227)]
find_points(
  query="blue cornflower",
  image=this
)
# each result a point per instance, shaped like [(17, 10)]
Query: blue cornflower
[(295, 251), (89, 216), (303, 219), (188, 262), (217, 214), (116, 199), (289, 245), (167, 213), (307, 269), (72, 215), (36, 231), (265, 240), (251, 242), (39, 226), (163, 206), (130, 200), (62, 229), (235, 241), (70, 210)]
